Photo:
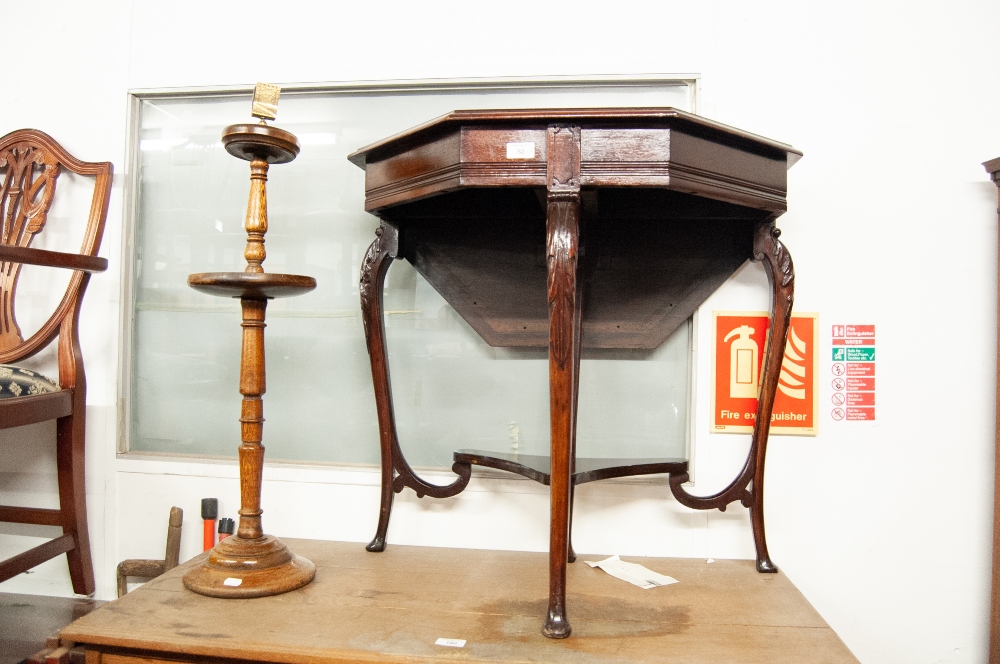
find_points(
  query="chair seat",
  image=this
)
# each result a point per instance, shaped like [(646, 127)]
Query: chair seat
[(18, 382)]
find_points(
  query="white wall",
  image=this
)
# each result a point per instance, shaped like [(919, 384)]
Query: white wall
[(891, 220)]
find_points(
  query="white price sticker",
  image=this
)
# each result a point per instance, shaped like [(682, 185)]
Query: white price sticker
[(234, 582), (520, 150), (451, 643)]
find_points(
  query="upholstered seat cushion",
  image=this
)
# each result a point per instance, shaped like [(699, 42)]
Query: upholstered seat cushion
[(17, 382)]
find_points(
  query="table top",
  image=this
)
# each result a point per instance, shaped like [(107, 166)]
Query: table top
[(630, 147), (393, 606)]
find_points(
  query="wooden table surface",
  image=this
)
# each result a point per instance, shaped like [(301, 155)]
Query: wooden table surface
[(393, 606)]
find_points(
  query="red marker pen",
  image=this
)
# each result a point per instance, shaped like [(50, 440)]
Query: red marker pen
[(209, 511)]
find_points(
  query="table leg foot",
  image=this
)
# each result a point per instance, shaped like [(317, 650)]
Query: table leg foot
[(765, 566), (556, 626)]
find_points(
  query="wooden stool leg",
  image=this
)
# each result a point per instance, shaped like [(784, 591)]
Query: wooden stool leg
[(563, 237), (781, 275), (373, 270)]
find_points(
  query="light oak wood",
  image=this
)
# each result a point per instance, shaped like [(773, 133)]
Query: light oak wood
[(252, 564), (393, 607)]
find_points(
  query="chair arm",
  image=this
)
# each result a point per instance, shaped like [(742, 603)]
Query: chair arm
[(31, 256)]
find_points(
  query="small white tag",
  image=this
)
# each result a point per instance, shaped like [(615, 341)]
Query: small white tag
[(520, 150), (451, 643), (232, 582)]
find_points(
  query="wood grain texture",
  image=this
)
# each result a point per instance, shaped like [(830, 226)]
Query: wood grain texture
[(565, 303), (262, 285), (636, 218), (781, 276), (30, 164), (31, 256), (621, 148), (392, 607), (396, 471), (250, 563), (538, 468)]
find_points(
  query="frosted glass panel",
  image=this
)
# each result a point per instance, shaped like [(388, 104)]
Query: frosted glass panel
[(451, 390)]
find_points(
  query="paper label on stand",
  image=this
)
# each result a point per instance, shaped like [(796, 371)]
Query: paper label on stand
[(634, 573), (232, 582), (451, 643)]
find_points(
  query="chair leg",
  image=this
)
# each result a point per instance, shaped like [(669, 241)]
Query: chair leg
[(70, 460)]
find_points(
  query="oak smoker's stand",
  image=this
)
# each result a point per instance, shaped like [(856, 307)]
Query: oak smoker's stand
[(252, 563), (571, 229)]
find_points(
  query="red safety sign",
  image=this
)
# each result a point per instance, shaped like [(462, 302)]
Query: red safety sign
[(740, 339)]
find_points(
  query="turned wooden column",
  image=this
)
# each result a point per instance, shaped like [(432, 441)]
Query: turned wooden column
[(250, 563)]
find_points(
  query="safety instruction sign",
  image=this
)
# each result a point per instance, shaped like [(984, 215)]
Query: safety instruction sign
[(853, 373), (738, 363)]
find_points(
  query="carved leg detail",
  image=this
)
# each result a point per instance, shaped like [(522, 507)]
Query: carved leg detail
[(396, 472), (781, 276), (563, 237), (373, 270)]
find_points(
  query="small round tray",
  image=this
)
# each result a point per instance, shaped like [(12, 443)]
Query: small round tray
[(251, 284), (257, 141)]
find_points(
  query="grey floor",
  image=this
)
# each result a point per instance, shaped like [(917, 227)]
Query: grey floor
[(27, 621)]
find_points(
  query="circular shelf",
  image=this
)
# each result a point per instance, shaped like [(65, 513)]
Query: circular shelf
[(259, 141), (251, 284)]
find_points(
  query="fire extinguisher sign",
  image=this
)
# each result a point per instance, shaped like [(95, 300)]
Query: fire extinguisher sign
[(738, 362)]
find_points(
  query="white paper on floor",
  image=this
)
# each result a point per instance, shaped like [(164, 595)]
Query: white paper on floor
[(633, 573)]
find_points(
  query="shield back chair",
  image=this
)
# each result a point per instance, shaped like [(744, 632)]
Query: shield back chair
[(30, 164)]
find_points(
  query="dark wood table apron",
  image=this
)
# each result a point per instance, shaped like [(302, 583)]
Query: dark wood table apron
[(571, 229)]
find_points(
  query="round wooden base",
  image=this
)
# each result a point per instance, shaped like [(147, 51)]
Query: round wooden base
[(244, 568)]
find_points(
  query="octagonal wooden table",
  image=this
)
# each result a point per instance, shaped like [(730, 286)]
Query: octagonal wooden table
[(569, 229)]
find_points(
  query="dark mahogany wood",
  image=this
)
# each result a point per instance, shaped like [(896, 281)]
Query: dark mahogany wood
[(565, 306), (37, 408), (993, 168), (34, 515), (30, 256), (30, 164), (608, 231), (250, 563), (588, 469), (781, 276), (396, 472)]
